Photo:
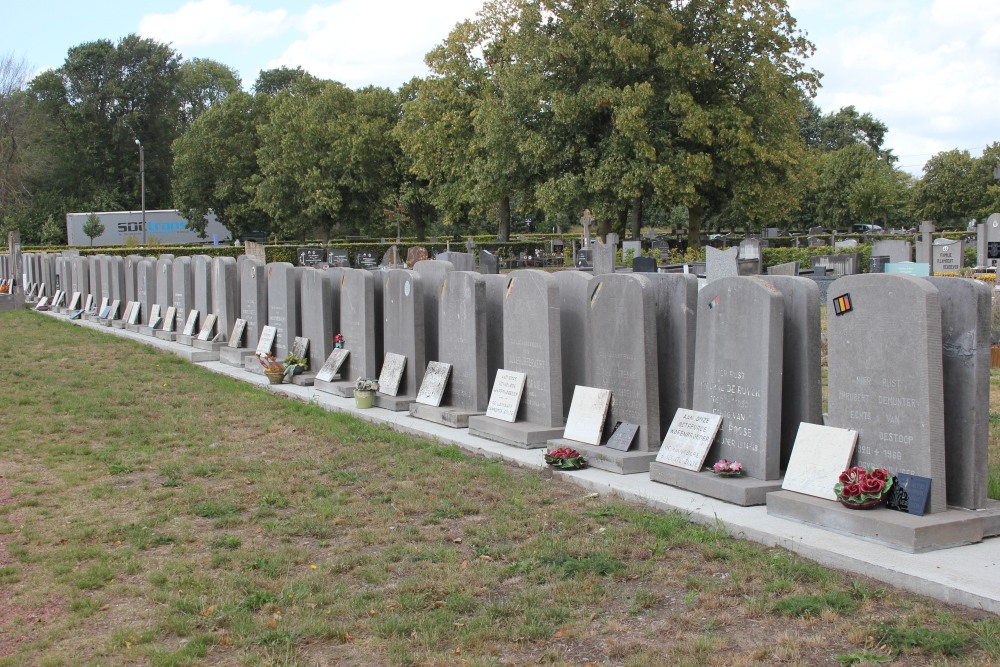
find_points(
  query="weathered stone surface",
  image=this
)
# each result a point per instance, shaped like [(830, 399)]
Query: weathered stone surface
[(676, 322), (201, 276), (253, 298), (496, 285), (885, 374), (320, 309), (574, 313), (283, 313), (896, 250), (164, 281), (432, 275), (721, 263), (225, 292), (463, 340), (604, 257), (360, 323), (183, 287), (403, 325), (146, 281)]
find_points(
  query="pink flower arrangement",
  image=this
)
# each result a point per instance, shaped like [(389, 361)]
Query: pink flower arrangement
[(727, 468)]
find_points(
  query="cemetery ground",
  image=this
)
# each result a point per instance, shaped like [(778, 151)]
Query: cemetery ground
[(152, 512)]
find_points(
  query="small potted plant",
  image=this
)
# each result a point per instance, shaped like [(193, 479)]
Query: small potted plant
[(565, 458), (364, 391), (273, 369), (294, 365), (727, 468), (863, 488), (338, 341)]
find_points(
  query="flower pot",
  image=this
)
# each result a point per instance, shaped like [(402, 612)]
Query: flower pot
[(275, 377), (363, 399), (867, 505)]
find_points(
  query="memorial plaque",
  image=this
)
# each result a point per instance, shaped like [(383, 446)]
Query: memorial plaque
[(688, 439), (819, 455), (392, 373), (133, 316), (338, 257), (333, 363), (208, 328), (105, 302), (155, 322), (885, 376), (89, 303), (587, 412), (105, 311), (239, 330), (622, 436), (115, 307), (506, 395), (74, 302), (266, 343), (43, 304), (300, 347), (191, 325), (253, 298), (433, 385), (170, 319), (155, 313), (909, 493), (310, 256)]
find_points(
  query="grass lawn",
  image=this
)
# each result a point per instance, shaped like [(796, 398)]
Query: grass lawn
[(152, 512)]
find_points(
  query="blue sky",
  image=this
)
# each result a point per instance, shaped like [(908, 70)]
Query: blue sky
[(930, 69)]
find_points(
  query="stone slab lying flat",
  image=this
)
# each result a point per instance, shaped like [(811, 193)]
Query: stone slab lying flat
[(604, 458), (234, 356), (744, 491), (525, 435), (899, 530), (453, 417), (193, 354), (207, 345), (303, 379), (393, 403)]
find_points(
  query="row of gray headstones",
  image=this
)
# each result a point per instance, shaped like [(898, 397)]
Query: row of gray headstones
[(908, 369)]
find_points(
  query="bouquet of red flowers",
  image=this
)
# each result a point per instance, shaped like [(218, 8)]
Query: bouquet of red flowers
[(565, 458), (863, 486)]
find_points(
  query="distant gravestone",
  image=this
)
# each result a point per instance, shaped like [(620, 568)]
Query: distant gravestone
[(416, 254), (365, 260), (889, 387), (738, 371), (283, 304), (895, 250), (604, 257), (506, 396), (846, 264), (847, 243), (256, 251), (643, 264), (988, 241), (338, 257), (819, 455), (786, 269), (587, 413), (965, 335), (253, 298), (947, 256), (461, 261), (434, 383), (720, 263), (688, 439), (876, 264), (488, 262), (310, 256)]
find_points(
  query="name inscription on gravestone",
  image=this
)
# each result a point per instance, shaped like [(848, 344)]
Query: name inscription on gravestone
[(392, 373), (208, 328), (433, 384), (191, 326), (622, 436), (300, 347), (239, 330), (170, 318), (266, 343), (587, 412), (333, 363), (688, 439), (506, 395)]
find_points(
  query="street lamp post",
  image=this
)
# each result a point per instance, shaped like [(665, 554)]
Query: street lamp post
[(142, 188)]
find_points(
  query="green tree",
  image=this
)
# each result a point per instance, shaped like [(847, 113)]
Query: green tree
[(203, 83), (273, 81), (953, 188), (93, 227), (53, 232), (21, 148)]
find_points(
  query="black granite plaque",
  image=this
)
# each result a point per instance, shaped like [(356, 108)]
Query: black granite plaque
[(622, 436)]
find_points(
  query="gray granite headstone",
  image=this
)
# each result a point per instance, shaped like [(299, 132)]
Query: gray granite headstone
[(896, 250), (720, 263), (94, 274), (947, 256), (575, 288), (496, 286), (488, 262), (738, 371), (164, 281), (802, 379), (81, 275), (432, 274), (104, 267), (676, 322), (885, 374), (225, 292), (183, 287), (131, 271), (463, 340), (988, 241), (462, 261), (283, 304), (201, 274), (403, 325), (604, 257), (786, 269), (253, 298), (146, 281), (320, 308), (116, 277), (360, 323), (965, 336), (644, 265)]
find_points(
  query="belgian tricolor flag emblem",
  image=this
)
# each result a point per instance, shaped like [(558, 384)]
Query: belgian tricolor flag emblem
[(842, 304)]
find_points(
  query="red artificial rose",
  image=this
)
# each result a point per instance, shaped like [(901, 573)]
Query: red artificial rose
[(851, 490), (845, 478), (872, 485), (879, 473)]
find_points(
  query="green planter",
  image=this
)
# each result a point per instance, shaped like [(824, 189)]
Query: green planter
[(363, 399)]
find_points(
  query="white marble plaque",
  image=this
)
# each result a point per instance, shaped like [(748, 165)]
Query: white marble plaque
[(392, 373), (104, 304), (191, 326), (90, 303), (133, 317), (506, 395), (155, 313), (44, 302), (587, 413), (819, 455), (239, 329), (208, 328), (300, 347), (170, 319), (74, 302), (155, 322), (433, 385), (115, 307), (266, 343), (689, 438), (333, 364)]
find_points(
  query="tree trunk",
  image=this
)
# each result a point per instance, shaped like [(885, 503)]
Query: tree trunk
[(635, 218), (419, 224), (695, 215), (504, 232)]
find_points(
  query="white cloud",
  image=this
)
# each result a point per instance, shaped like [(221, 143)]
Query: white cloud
[(210, 22), (380, 42)]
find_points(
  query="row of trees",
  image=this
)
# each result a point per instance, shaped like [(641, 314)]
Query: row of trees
[(646, 112)]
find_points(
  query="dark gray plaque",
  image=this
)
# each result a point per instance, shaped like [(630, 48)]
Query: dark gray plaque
[(208, 328), (239, 330), (191, 326), (622, 436), (433, 385), (310, 256), (910, 493), (333, 364), (266, 343)]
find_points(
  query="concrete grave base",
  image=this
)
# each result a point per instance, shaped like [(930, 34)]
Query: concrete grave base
[(147, 331), (184, 339), (334, 387), (252, 365), (166, 335), (205, 345), (612, 460), (898, 530), (193, 354), (104, 323), (118, 324), (134, 328), (306, 379), (234, 356), (15, 302), (394, 403), (452, 417), (744, 491), (525, 435)]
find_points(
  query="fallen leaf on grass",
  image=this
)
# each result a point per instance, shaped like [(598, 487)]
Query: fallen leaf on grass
[(457, 651), (558, 634), (206, 612), (465, 564), (485, 557), (371, 612), (437, 604), (348, 637)]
